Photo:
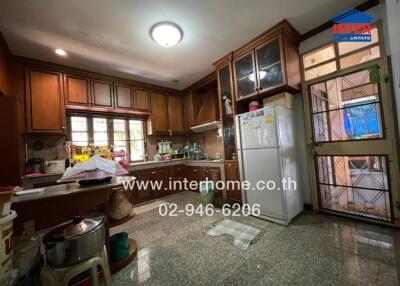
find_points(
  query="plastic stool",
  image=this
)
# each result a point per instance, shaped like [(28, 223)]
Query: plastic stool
[(61, 276)]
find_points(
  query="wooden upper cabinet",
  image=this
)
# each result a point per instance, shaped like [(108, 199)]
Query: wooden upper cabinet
[(102, 93), (245, 77), (205, 105), (268, 64), (188, 110), (158, 121), (176, 118), (123, 97), (45, 111), (142, 99), (77, 90), (269, 60)]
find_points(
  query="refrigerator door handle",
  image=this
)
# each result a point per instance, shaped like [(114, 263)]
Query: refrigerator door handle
[(237, 131), (241, 175)]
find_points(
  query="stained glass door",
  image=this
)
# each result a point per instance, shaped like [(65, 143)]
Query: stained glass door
[(352, 144)]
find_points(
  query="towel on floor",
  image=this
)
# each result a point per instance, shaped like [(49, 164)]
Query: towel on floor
[(242, 234)]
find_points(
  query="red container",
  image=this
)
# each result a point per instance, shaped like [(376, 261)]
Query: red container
[(254, 105)]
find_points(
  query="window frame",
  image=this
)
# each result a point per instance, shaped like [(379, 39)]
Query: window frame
[(380, 43), (110, 130)]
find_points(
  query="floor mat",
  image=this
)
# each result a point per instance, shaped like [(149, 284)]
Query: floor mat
[(242, 234)]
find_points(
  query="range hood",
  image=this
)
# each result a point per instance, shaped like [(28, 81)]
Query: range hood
[(206, 126)]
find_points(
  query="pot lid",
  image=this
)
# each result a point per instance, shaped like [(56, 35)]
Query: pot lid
[(78, 226)]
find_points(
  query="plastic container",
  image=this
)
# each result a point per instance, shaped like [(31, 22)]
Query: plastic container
[(26, 254), (254, 105), (6, 230), (119, 246), (207, 192), (5, 200)]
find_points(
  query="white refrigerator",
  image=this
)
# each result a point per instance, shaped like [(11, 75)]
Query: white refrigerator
[(266, 153)]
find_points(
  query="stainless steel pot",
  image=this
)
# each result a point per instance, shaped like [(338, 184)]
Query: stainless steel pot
[(74, 241)]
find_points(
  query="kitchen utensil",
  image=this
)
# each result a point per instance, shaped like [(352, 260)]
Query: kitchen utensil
[(29, 192), (35, 165), (54, 166), (74, 241)]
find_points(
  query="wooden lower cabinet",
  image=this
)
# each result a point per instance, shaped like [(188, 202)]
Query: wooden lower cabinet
[(166, 177), (196, 174), (199, 174), (142, 194), (177, 174), (161, 176), (232, 174), (214, 174)]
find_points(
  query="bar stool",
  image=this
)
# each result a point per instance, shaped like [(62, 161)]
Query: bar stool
[(61, 276)]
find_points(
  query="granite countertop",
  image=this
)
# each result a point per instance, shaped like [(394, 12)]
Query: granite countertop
[(68, 189), (156, 164), (176, 160), (30, 181)]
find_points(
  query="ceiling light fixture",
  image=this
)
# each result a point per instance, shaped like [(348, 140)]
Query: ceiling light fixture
[(60, 52), (166, 34)]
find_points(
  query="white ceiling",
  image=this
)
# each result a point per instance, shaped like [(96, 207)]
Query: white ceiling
[(112, 37)]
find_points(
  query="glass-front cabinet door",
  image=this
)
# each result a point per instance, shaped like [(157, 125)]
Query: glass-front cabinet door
[(226, 103), (245, 79), (269, 65)]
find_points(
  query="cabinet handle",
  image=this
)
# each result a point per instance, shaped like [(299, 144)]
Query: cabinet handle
[(195, 170)]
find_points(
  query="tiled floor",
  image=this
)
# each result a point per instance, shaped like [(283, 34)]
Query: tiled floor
[(313, 250)]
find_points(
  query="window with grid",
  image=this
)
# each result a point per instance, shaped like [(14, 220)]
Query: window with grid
[(137, 140), (123, 134), (79, 131), (120, 135), (337, 56), (100, 131)]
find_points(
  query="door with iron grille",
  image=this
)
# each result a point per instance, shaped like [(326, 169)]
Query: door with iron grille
[(352, 142)]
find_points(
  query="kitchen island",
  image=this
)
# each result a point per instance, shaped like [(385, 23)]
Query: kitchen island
[(60, 203)]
